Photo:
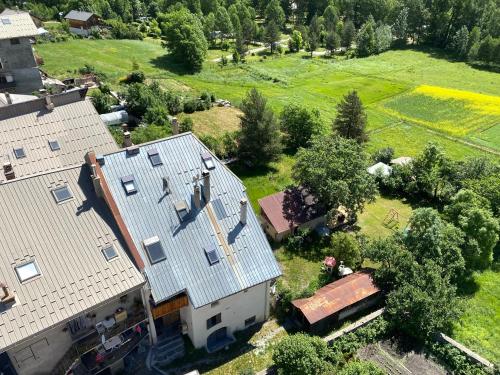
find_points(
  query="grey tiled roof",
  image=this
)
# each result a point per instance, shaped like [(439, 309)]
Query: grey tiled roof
[(150, 212), (15, 24), (66, 242), (78, 15), (74, 123)]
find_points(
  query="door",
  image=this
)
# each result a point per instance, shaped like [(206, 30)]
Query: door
[(215, 336)]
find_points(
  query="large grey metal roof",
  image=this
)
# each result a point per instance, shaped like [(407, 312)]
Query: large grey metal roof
[(78, 15), (73, 122), (16, 24), (66, 241), (246, 258)]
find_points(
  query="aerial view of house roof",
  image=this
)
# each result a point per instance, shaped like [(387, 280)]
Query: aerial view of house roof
[(205, 251), (61, 253), (336, 296), (290, 208), (37, 136), (78, 15), (16, 24)]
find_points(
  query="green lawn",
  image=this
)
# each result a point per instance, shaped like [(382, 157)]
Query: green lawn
[(377, 219), (479, 327), (397, 117)]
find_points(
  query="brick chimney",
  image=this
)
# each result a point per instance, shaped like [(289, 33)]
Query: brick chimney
[(127, 139), (206, 185), (8, 171), (175, 126), (243, 211)]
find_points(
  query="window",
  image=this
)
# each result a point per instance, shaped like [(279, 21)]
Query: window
[(19, 153), (27, 271), (109, 252), (54, 145), (249, 321), (211, 253), (154, 157), (214, 304), (154, 249), (208, 160), (213, 321), (62, 194), (15, 41), (129, 184), (6, 21), (182, 209)]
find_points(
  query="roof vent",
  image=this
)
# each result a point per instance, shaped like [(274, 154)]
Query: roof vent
[(8, 296), (8, 171), (48, 103)]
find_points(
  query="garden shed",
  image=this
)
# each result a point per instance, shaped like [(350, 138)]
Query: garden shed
[(337, 301)]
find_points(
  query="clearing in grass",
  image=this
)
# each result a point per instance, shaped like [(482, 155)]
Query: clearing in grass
[(215, 121)]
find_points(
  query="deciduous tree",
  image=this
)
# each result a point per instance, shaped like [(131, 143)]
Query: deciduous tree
[(299, 124), (345, 247)]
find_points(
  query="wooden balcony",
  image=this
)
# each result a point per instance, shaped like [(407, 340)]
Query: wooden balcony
[(170, 306)]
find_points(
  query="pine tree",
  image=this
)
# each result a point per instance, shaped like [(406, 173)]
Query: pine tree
[(400, 27), (332, 42), (271, 34), (351, 118), (366, 42), (460, 42), (259, 141), (348, 34)]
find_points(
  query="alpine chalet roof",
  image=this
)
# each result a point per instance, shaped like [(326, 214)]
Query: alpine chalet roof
[(78, 15), (73, 123), (16, 24), (244, 256), (66, 241)]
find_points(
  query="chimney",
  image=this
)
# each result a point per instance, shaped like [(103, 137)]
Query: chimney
[(175, 126), (127, 139), (48, 103), (96, 181), (7, 295), (8, 98), (8, 171), (243, 211), (206, 185), (197, 198)]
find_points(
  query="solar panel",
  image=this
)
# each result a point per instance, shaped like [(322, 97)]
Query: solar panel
[(62, 194), (109, 252), (154, 157), (54, 145), (212, 255), (19, 153), (154, 249), (208, 160)]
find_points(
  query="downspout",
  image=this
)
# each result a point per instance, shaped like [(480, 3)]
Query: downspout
[(146, 294)]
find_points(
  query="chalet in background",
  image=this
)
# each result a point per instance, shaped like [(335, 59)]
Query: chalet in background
[(81, 23)]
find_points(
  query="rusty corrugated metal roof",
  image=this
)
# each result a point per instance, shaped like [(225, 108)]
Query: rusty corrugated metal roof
[(336, 296)]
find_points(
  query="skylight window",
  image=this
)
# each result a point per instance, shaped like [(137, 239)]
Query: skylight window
[(27, 271), (19, 153), (154, 156), (182, 209), (6, 21), (208, 160), (211, 253), (54, 145), (154, 249), (62, 194), (129, 184), (109, 252)]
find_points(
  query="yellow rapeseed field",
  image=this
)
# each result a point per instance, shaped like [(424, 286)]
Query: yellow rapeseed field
[(486, 104)]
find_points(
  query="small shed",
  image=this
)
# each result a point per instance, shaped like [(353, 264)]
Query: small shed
[(80, 23), (380, 168), (337, 301), (285, 212)]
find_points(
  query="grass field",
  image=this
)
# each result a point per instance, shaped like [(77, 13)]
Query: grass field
[(479, 327), (411, 96), (216, 121)]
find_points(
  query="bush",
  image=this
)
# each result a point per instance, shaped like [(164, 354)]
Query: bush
[(213, 144), (454, 360), (121, 30), (301, 354), (359, 367), (137, 76), (102, 101), (149, 133), (186, 125), (190, 105), (384, 155)]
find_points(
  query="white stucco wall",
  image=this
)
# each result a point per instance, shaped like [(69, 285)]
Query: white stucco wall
[(234, 311)]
